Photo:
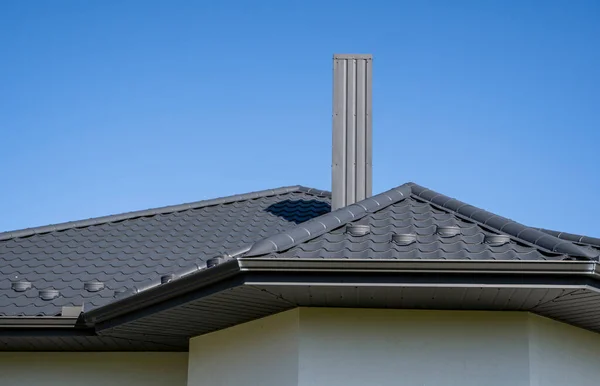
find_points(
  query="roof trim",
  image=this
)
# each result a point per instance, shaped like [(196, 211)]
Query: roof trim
[(37, 322), (573, 237), (328, 222), (419, 265), (298, 273), (194, 281), (502, 224), (162, 210), (223, 276)]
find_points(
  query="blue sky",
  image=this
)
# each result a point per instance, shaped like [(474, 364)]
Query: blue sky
[(112, 106)]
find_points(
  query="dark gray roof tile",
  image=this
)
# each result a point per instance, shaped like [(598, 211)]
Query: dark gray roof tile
[(128, 249), (422, 212), (134, 250)]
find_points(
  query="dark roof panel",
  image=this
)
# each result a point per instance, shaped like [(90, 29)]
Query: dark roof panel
[(94, 262), (414, 210), (124, 250)]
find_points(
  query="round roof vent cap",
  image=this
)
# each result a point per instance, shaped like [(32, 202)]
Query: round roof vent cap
[(49, 294), (448, 231), (358, 230), (20, 286), (496, 240), (404, 238), (93, 286)]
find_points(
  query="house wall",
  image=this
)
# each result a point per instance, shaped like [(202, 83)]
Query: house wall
[(93, 369), (403, 347), (562, 355), (351, 347), (259, 353)]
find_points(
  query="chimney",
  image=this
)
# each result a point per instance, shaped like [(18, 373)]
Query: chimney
[(351, 175)]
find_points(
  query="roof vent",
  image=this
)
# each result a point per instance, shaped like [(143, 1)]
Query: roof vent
[(119, 292), (496, 240), (20, 286), (164, 279), (214, 261), (404, 238), (358, 230), (449, 231), (49, 294), (93, 286)]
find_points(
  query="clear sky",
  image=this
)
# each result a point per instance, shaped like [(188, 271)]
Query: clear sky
[(112, 106)]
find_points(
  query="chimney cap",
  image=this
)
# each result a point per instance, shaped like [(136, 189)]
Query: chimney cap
[(353, 56)]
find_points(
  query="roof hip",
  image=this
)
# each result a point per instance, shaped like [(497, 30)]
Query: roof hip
[(328, 222), (502, 224)]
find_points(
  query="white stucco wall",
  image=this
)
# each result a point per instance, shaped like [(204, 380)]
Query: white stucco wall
[(421, 348), (263, 352), (351, 347), (563, 355), (93, 369)]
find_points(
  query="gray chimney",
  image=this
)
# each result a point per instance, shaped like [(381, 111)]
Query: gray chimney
[(351, 171)]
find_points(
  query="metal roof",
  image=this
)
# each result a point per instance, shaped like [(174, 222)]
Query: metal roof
[(143, 277), (441, 228), (90, 263)]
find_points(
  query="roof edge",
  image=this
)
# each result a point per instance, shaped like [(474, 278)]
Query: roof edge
[(594, 241), (152, 295), (37, 322), (488, 267), (517, 230), (327, 222), (563, 274), (161, 210)]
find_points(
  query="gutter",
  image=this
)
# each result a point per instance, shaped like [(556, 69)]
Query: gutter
[(587, 268), (234, 272), (164, 292), (37, 322)]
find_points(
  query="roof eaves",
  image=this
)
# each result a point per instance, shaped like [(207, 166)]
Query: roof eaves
[(488, 267), (327, 222), (502, 224), (162, 210), (301, 274), (145, 297)]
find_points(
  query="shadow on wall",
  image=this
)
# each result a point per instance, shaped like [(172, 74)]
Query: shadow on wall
[(299, 211)]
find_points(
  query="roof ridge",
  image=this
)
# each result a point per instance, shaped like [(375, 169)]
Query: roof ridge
[(327, 222), (594, 241), (160, 210), (313, 191), (517, 230)]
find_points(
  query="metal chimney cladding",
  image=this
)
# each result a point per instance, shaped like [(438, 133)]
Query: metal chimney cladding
[(351, 167)]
